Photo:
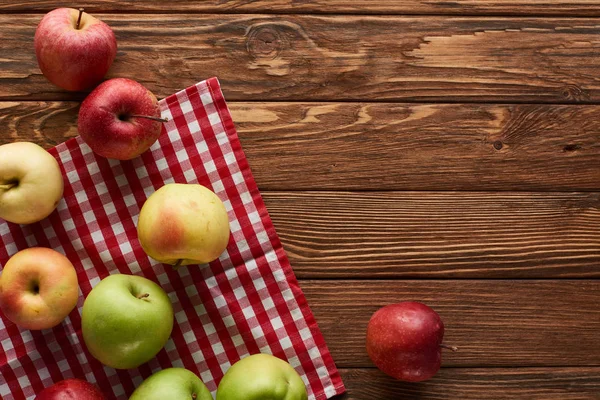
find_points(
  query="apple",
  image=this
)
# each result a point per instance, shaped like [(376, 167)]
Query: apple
[(172, 384), (71, 389), (38, 288), (404, 340), (120, 119), (259, 377), (74, 50), (31, 183), (183, 224), (126, 320)]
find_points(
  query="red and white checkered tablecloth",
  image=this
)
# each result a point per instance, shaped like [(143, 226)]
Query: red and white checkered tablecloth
[(248, 301)]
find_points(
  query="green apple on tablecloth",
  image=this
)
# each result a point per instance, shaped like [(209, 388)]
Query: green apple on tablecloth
[(126, 320), (172, 384), (260, 377)]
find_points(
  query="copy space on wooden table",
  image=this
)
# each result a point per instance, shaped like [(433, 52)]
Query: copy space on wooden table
[(446, 152)]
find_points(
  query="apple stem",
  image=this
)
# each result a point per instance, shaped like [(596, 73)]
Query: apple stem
[(194, 395), (178, 264), (79, 19), (445, 346), (143, 295), (149, 117), (8, 186)]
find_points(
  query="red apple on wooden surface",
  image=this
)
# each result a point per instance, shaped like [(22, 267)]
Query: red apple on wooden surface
[(71, 389), (38, 288), (31, 183), (183, 224), (404, 340), (120, 119), (74, 50)]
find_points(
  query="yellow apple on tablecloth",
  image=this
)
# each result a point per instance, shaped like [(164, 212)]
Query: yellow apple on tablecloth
[(31, 184), (38, 288), (183, 224)]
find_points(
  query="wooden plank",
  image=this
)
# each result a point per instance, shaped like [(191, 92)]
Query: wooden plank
[(579, 383), (407, 7), (262, 57), (433, 234), (308, 146), (525, 323)]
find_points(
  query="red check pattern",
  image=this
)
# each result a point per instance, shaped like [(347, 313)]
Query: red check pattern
[(248, 301)]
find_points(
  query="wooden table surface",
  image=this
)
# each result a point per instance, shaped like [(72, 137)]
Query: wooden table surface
[(440, 151)]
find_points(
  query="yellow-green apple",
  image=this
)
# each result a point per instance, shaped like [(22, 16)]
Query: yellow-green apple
[(74, 50), (71, 389), (31, 184), (183, 224), (126, 320), (120, 119), (38, 288), (404, 340), (259, 377), (172, 384)]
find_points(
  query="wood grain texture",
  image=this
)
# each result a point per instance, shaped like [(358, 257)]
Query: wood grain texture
[(429, 235), (393, 234), (522, 323), (579, 383), (407, 7), (308, 146), (262, 57)]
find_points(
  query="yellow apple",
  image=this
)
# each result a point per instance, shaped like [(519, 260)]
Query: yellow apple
[(31, 184), (38, 288), (183, 224)]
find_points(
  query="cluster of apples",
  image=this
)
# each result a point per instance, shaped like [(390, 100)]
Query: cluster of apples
[(126, 319)]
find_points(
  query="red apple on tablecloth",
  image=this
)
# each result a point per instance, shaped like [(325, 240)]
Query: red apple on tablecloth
[(31, 183), (74, 50), (71, 389), (120, 119), (404, 340), (38, 288)]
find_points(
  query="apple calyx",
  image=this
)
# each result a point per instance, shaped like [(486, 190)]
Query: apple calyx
[(453, 348), (35, 288), (79, 18), (147, 117), (143, 295), (194, 395)]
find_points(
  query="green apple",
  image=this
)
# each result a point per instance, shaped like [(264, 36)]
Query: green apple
[(126, 320), (261, 377), (172, 384)]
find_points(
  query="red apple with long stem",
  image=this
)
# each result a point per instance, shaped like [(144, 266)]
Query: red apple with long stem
[(120, 119), (71, 389), (404, 340), (74, 50)]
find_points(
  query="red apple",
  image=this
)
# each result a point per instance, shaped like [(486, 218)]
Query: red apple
[(120, 119), (74, 50), (71, 389), (404, 340), (38, 288)]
